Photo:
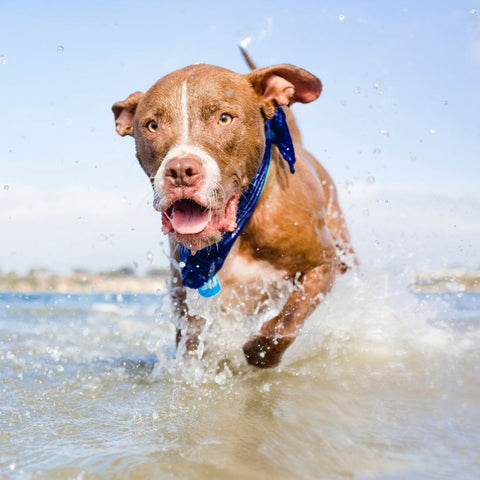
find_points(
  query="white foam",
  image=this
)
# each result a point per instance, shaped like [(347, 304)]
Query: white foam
[(367, 321)]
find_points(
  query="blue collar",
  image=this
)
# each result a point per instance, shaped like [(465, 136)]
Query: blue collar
[(200, 268)]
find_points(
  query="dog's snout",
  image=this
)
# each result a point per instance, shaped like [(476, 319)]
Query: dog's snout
[(184, 171)]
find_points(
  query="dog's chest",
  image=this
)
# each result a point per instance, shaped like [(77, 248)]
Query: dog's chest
[(246, 282)]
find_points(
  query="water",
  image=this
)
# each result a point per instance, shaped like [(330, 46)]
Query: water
[(382, 384)]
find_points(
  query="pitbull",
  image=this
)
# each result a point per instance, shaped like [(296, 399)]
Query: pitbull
[(246, 206)]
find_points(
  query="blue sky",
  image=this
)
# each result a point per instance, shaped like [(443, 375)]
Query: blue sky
[(397, 125)]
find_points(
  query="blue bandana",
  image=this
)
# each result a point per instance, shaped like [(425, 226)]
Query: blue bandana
[(199, 270)]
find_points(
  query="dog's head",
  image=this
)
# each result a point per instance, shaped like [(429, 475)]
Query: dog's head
[(199, 136)]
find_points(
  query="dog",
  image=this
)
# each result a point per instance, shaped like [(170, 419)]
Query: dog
[(246, 207)]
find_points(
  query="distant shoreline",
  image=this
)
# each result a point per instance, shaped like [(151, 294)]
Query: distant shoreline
[(447, 280), (155, 282), (43, 281)]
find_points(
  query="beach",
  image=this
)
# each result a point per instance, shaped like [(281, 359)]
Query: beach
[(126, 280)]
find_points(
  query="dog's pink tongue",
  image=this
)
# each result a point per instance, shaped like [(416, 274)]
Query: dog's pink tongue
[(188, 217)]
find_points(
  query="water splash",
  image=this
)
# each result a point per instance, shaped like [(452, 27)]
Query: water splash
[(381, 329), (246, 42)]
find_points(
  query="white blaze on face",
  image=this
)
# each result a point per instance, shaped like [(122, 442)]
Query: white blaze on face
[(185, 148), (184, 102)]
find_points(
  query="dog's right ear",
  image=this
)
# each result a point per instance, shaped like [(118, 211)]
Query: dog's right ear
[(124, 112), (285, 84)]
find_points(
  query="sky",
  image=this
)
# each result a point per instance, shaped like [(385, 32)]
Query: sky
[(397, 124)]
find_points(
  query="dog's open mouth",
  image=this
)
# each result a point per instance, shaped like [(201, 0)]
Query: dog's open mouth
[(190, 221), (188, 217)]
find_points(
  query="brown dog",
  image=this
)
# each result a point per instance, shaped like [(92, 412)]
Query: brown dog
[(202, 136)]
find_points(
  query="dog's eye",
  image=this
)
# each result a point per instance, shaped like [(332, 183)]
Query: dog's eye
[(225, 119), (152, 126)]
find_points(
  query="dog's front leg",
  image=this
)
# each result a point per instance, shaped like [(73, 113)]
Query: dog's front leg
[(265, 350), (189, 327)]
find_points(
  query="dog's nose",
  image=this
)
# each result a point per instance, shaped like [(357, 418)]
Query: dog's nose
[(183, 171)]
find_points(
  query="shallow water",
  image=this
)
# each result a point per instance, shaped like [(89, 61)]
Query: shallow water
[(380, 384)]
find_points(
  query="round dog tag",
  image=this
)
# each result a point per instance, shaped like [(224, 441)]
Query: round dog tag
[(211, 288)]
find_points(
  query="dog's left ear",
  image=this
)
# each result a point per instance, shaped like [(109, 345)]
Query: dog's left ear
[(285, 84), (124, 113)]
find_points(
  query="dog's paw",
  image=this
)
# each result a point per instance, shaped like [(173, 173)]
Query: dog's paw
[(266, 352)]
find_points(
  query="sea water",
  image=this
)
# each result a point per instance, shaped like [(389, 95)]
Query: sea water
[(382, 383)]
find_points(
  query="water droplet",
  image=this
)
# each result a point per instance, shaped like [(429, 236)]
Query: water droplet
[(6, 187), (341, 17), (149, 257), (432, 131), (376, 151), (358, 90), (343, 103), (348, 184), (413, 158), (473, 11), (265, 388), (385, 133), (60, 49), (370, 179), (3, 60)]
